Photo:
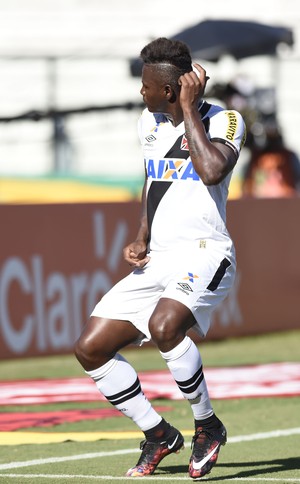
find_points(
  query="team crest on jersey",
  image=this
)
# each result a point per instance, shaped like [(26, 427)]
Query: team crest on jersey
[(184, 143)]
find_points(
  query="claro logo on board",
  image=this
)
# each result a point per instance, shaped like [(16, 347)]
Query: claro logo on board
[(53, 318)]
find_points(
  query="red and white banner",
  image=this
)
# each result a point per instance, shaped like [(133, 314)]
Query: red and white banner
[(277, 379)]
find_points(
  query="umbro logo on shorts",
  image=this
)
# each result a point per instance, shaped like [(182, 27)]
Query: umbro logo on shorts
[(184, 287)]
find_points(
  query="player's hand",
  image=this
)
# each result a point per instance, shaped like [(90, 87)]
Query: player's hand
[(192, 86), (136, 254)]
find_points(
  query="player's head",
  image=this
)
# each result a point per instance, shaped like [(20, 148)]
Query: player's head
[(170, 56), (166, 51), (164, 62)]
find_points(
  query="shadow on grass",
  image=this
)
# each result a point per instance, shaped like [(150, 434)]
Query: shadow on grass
[(253, 468)]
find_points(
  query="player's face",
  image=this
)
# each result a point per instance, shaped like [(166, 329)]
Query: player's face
[(153, 90)]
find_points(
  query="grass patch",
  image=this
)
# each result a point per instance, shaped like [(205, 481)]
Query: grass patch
[(248, 461)]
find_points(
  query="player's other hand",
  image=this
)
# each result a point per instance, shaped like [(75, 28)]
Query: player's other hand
[(136, 254)]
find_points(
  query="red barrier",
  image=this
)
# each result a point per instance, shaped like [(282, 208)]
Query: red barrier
[(57, 261), (266, 296)]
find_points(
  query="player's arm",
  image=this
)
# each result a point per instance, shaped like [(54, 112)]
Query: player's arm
[(136, 252), (142, 235), (212, 161)]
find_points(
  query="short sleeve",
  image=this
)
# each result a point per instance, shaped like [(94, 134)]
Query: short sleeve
[(228, 127)]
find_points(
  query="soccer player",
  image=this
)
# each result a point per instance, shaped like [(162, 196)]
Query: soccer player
[(183, 259)]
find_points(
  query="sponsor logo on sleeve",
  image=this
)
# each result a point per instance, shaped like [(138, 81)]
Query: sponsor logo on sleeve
[(232, 125)]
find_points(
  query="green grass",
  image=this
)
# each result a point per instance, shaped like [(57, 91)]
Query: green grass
[(250, 460), (274, 347), (247, 461)]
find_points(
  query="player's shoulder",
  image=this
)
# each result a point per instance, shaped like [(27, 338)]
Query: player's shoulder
[(150, 121), (218, 112), (146, 116)]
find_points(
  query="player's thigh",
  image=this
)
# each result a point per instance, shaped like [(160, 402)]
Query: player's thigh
[(106, 336)]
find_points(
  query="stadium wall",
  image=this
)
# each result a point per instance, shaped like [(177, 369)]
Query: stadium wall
[(57, 260)]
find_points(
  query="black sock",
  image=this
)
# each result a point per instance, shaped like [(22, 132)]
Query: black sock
[(208, 423), (156, 433)]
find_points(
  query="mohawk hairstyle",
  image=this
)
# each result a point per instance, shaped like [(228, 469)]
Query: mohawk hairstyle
[(166, 51)]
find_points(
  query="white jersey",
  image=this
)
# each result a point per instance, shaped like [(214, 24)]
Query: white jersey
[(181, 210)]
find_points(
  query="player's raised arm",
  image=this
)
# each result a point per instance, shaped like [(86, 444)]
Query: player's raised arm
[(212, 161)]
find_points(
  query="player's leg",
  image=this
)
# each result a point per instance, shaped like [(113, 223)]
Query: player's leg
[(97, 351), (168, 326), (101, 339)]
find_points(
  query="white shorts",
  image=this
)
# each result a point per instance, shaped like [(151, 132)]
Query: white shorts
[(199, 278)]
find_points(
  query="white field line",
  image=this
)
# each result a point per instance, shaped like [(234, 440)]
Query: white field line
[(148, 478), (264, 435), (94, 455)]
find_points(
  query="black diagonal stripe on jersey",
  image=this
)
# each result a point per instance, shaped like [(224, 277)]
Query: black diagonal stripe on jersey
[(191, 385), (206, 124), (219, 275), (203, 111), (205, 107), (121, 397), (158, 189), (155, 194), (176, 151)]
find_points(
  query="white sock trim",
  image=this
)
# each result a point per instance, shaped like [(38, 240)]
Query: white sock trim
[(103, 370), (178, 351)]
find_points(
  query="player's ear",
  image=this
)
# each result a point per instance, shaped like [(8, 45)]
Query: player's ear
[(170, 93)]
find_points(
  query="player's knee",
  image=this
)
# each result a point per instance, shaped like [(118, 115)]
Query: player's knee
[(80, 349), (83, 350), (162, 330)]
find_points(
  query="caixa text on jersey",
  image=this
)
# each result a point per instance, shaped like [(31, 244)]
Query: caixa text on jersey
[(167, 169)]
